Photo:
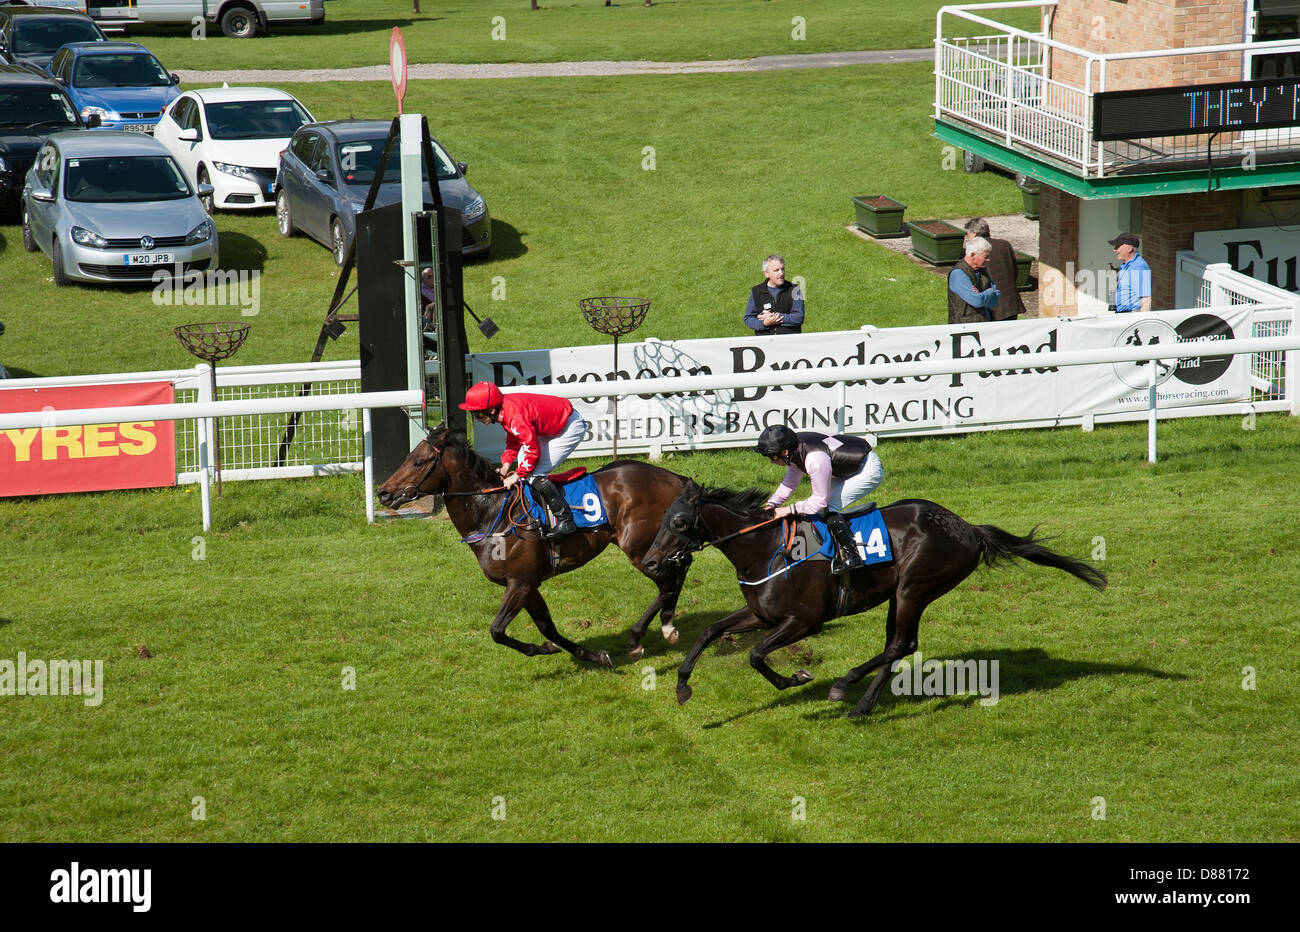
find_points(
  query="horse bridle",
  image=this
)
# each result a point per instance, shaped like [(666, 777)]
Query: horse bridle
[(695, 522), (434, 462)]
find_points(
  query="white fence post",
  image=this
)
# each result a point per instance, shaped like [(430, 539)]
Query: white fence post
[(1151, 410), (369, 468)]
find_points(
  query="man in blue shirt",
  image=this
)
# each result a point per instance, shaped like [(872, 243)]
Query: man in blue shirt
[(775, 305), (972, 296), (1133, 284)]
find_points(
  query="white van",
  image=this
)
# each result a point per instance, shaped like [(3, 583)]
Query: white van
[(238, 19)]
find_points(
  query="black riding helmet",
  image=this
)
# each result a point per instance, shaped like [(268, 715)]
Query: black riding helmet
[(776, 439)]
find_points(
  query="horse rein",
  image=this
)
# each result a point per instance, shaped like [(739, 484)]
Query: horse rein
[(434, 462), (702, 543)]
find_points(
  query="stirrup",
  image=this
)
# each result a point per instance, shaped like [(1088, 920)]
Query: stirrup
[(561, 527), (839, 565)]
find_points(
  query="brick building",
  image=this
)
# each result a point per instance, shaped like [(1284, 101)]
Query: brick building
[(1028, 100)]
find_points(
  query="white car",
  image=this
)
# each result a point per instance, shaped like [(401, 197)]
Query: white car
[(231, 138)]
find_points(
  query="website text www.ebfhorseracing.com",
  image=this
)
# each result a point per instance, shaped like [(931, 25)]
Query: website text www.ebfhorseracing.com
[(1202, 897), (1191, 394)]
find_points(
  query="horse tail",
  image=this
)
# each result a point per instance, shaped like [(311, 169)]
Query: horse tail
[(997, 545)]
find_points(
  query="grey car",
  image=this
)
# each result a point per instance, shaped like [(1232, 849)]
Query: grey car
[(326, 172), (108, 206)]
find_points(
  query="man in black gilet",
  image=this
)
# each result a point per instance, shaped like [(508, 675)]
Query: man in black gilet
[(775, 305), (972, 296)]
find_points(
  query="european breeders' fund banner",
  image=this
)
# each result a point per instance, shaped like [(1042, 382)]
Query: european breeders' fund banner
[(1002, 394)]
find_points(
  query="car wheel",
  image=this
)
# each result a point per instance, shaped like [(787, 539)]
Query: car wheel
[(972, 163), (56, 257), (29, 242), (283, 216), (239, 22), (210, 202), (338, 241)]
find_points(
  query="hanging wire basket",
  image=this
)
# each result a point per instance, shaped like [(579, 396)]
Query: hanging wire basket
[(614, 317), (212, 342)]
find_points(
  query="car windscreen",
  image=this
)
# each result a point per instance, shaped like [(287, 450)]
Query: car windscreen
[(44, 36), (35, 106), (130, 69), (359, 158), (255, 119), (124, 178)]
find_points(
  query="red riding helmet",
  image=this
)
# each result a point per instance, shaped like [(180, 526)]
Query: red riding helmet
[(484, 396)]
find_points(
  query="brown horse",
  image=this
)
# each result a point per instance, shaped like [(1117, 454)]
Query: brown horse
[(933, 548), (514, 554)]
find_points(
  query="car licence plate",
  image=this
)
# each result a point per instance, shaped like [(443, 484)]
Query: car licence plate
[(147, 258), (138, 127)]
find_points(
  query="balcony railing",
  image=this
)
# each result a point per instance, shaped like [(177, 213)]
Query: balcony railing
[(998, 82)]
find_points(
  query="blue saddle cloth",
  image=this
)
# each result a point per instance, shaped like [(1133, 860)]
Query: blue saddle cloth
[(583, 496), (870, 532)]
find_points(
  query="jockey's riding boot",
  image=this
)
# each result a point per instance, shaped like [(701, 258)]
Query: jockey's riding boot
[(847, 557), (557, 506)]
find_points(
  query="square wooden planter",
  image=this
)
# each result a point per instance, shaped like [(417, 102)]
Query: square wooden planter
[(880, 216), (936, 241)]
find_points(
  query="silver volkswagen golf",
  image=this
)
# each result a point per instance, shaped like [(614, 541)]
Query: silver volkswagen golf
[(108, 206)]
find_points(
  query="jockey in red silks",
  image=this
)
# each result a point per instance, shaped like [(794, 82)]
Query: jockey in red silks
[(541, 432)]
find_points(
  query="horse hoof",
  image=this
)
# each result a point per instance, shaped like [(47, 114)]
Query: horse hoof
[(836, 694), (801, 677), (683, 694), (550, 648), (603, 659), (669, 633), (636, 653)]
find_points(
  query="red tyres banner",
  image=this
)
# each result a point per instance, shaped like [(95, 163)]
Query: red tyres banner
[(45, 460)]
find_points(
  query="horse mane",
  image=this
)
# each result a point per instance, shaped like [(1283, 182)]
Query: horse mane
[(478, 466), (743, 502)]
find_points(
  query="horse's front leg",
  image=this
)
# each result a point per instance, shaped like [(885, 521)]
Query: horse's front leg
[(670, 590), (787, 632), (738, 621), (541, 616), (516, 596)]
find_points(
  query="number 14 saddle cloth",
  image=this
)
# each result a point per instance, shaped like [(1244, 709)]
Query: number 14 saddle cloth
[(868, 526)]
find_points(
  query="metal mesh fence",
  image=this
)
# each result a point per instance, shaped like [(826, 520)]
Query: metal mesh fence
[(253, 441)]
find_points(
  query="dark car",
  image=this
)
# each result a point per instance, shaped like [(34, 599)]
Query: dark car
[(31, 108), (326, 172), (30, 35)]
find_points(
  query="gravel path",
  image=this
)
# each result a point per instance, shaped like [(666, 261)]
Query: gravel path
[(562, 69)]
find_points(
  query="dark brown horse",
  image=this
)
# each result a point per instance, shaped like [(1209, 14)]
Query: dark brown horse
[(933, 550), (514, 554)]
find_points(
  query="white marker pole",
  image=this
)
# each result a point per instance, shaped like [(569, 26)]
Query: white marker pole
[(412, 203)]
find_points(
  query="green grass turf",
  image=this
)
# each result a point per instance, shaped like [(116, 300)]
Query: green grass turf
[(1134, 695), (560, 162), (356, 32)]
